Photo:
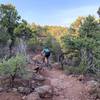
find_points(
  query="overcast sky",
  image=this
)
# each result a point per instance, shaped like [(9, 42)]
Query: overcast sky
[(54, 12)]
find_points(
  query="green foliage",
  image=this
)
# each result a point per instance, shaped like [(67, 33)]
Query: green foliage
[(53, 45), (4, 36), (56, 50), (23, 30), (71, 42), (14, 66), (9, 18), (90, 32), (87, 43), (33, 43), (89, 27), (75, 70), (48, 41)]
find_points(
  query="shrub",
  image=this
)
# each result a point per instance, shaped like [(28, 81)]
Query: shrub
[(13, 67), (75, 70)]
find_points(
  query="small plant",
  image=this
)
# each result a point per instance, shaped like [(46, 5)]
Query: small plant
[(13, 67), (75, 70)]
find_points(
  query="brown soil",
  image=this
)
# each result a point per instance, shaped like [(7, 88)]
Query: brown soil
[(65, 87), (10, 96)]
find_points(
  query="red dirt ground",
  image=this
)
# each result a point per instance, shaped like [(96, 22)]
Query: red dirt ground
[(65, 87)]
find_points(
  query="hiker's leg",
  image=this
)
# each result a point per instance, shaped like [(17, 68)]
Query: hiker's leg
[(43, 59), (47, 60)]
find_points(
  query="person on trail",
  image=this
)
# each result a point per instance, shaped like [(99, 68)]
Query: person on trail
[(46, 54)]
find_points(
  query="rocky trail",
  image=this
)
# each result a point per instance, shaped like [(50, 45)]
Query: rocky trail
[(56, 85), (65, 87)]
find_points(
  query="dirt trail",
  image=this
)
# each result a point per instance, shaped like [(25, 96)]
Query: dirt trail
[(65, 87)]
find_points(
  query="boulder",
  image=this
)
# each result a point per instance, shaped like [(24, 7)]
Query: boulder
[(45, 91)]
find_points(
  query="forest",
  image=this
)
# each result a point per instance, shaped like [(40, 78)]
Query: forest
[(75, 58)]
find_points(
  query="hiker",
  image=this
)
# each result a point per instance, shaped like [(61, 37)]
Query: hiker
[(46, 54)]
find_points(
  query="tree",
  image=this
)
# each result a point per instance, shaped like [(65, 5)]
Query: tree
[(4, 36), (89, 28), (88, 44), (90, 34), (9, 19), (74, 28), (23, 30), (98, 11)]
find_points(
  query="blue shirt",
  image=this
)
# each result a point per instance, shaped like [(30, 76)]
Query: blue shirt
[(46, 50)]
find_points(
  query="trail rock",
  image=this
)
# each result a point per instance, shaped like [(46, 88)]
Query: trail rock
[(93, 83), (38, 78), (56, 65), (45, 91), (33, 96), (14, 90), (24, 90), (1, 89), (93, 88), (81, 78), (33, 84)]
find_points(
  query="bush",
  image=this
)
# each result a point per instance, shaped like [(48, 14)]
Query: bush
[(75, 70), (13, 67)]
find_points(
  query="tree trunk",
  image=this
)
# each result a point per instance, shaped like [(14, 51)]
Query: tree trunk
[(89, 58), (11, 47), (12, 78), (83, 55)]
